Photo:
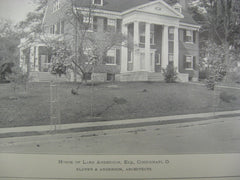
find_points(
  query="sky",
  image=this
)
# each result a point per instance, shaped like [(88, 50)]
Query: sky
[(15, 10)]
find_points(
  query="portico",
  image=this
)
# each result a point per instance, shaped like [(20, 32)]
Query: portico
[(153, 39)]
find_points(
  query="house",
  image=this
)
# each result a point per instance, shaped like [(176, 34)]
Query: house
[(161, 32)]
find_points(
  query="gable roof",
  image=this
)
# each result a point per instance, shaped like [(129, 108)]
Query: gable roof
[(114, 5), (187, 18), (124, 5)]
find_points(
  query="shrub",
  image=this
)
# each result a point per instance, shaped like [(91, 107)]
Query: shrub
[(59, 69), (211, 82), (170, 73)]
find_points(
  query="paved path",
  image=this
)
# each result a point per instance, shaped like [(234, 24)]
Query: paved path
[(220, 135), (120, 123)]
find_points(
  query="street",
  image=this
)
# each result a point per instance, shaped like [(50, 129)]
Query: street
[(205, 137)]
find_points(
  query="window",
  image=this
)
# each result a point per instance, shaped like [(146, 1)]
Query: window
[(130, 56), (98, 2), (142, 33), (87, 19), (111, 56), (110, 77), (170, 57), (87, 22), (111, 23), (171, 33), (57, 28), (56, 5), (190, 62), (188, 36)]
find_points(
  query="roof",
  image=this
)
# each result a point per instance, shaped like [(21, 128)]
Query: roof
[(114, 5), (188, 18), (124, 5)]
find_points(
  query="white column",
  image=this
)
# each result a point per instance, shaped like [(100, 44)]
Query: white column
[(176, 48), (136, 61), (147, 47), (124, 50), (165, 46)]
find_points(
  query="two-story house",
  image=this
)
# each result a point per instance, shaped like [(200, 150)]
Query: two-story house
[(161, 32)]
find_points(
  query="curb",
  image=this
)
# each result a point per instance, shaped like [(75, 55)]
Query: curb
[(118, 123)]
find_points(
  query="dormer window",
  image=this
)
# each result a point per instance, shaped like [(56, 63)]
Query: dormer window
[(178, 7), (98, 2), (56, 5)]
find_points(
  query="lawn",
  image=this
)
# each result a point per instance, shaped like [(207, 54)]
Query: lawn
[(109, 101)]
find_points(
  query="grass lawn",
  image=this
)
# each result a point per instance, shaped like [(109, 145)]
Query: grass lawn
[(137, 100)]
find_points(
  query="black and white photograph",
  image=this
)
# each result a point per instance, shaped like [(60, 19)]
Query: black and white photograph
[(120, 77)]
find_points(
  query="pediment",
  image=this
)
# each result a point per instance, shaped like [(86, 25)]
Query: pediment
[(161, 8)]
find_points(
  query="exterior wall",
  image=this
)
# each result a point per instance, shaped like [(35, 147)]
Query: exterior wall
[(190, 49)]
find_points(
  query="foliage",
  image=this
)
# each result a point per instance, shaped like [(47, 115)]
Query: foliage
[(170, 73), (8, 48), (33, 21), (59, 69)]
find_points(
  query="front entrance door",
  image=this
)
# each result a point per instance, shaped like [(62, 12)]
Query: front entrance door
[(44, 64)]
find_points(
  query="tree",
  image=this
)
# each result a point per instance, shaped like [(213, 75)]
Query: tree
[(84, 47), (33, 21), (8, 48), (219, 34)]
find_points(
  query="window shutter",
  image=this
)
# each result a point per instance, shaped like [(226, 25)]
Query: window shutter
[(105, 24), (194, 63), (119, 25), (58, 28), (62, 27), (95, 24), (194, 36), (184, 36), (184, 62), (118, 56)]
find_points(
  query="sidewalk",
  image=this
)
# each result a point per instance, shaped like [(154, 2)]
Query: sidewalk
[(91, 126)]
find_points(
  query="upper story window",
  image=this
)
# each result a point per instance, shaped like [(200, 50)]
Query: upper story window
[(188, 36), (111, 57), (88, 22), (178, 7), (111, 23), (56, 5), (57, 28), (190, 62), (142, 29), (98, 2)]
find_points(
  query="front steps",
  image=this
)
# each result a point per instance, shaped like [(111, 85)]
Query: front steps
[(155, 77)]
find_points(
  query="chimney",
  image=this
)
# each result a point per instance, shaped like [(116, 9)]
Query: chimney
[(183, 3)]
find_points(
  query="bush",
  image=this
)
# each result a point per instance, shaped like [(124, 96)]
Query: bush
[(170, 73), (59, 69), (211, 82), (203, 74)]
